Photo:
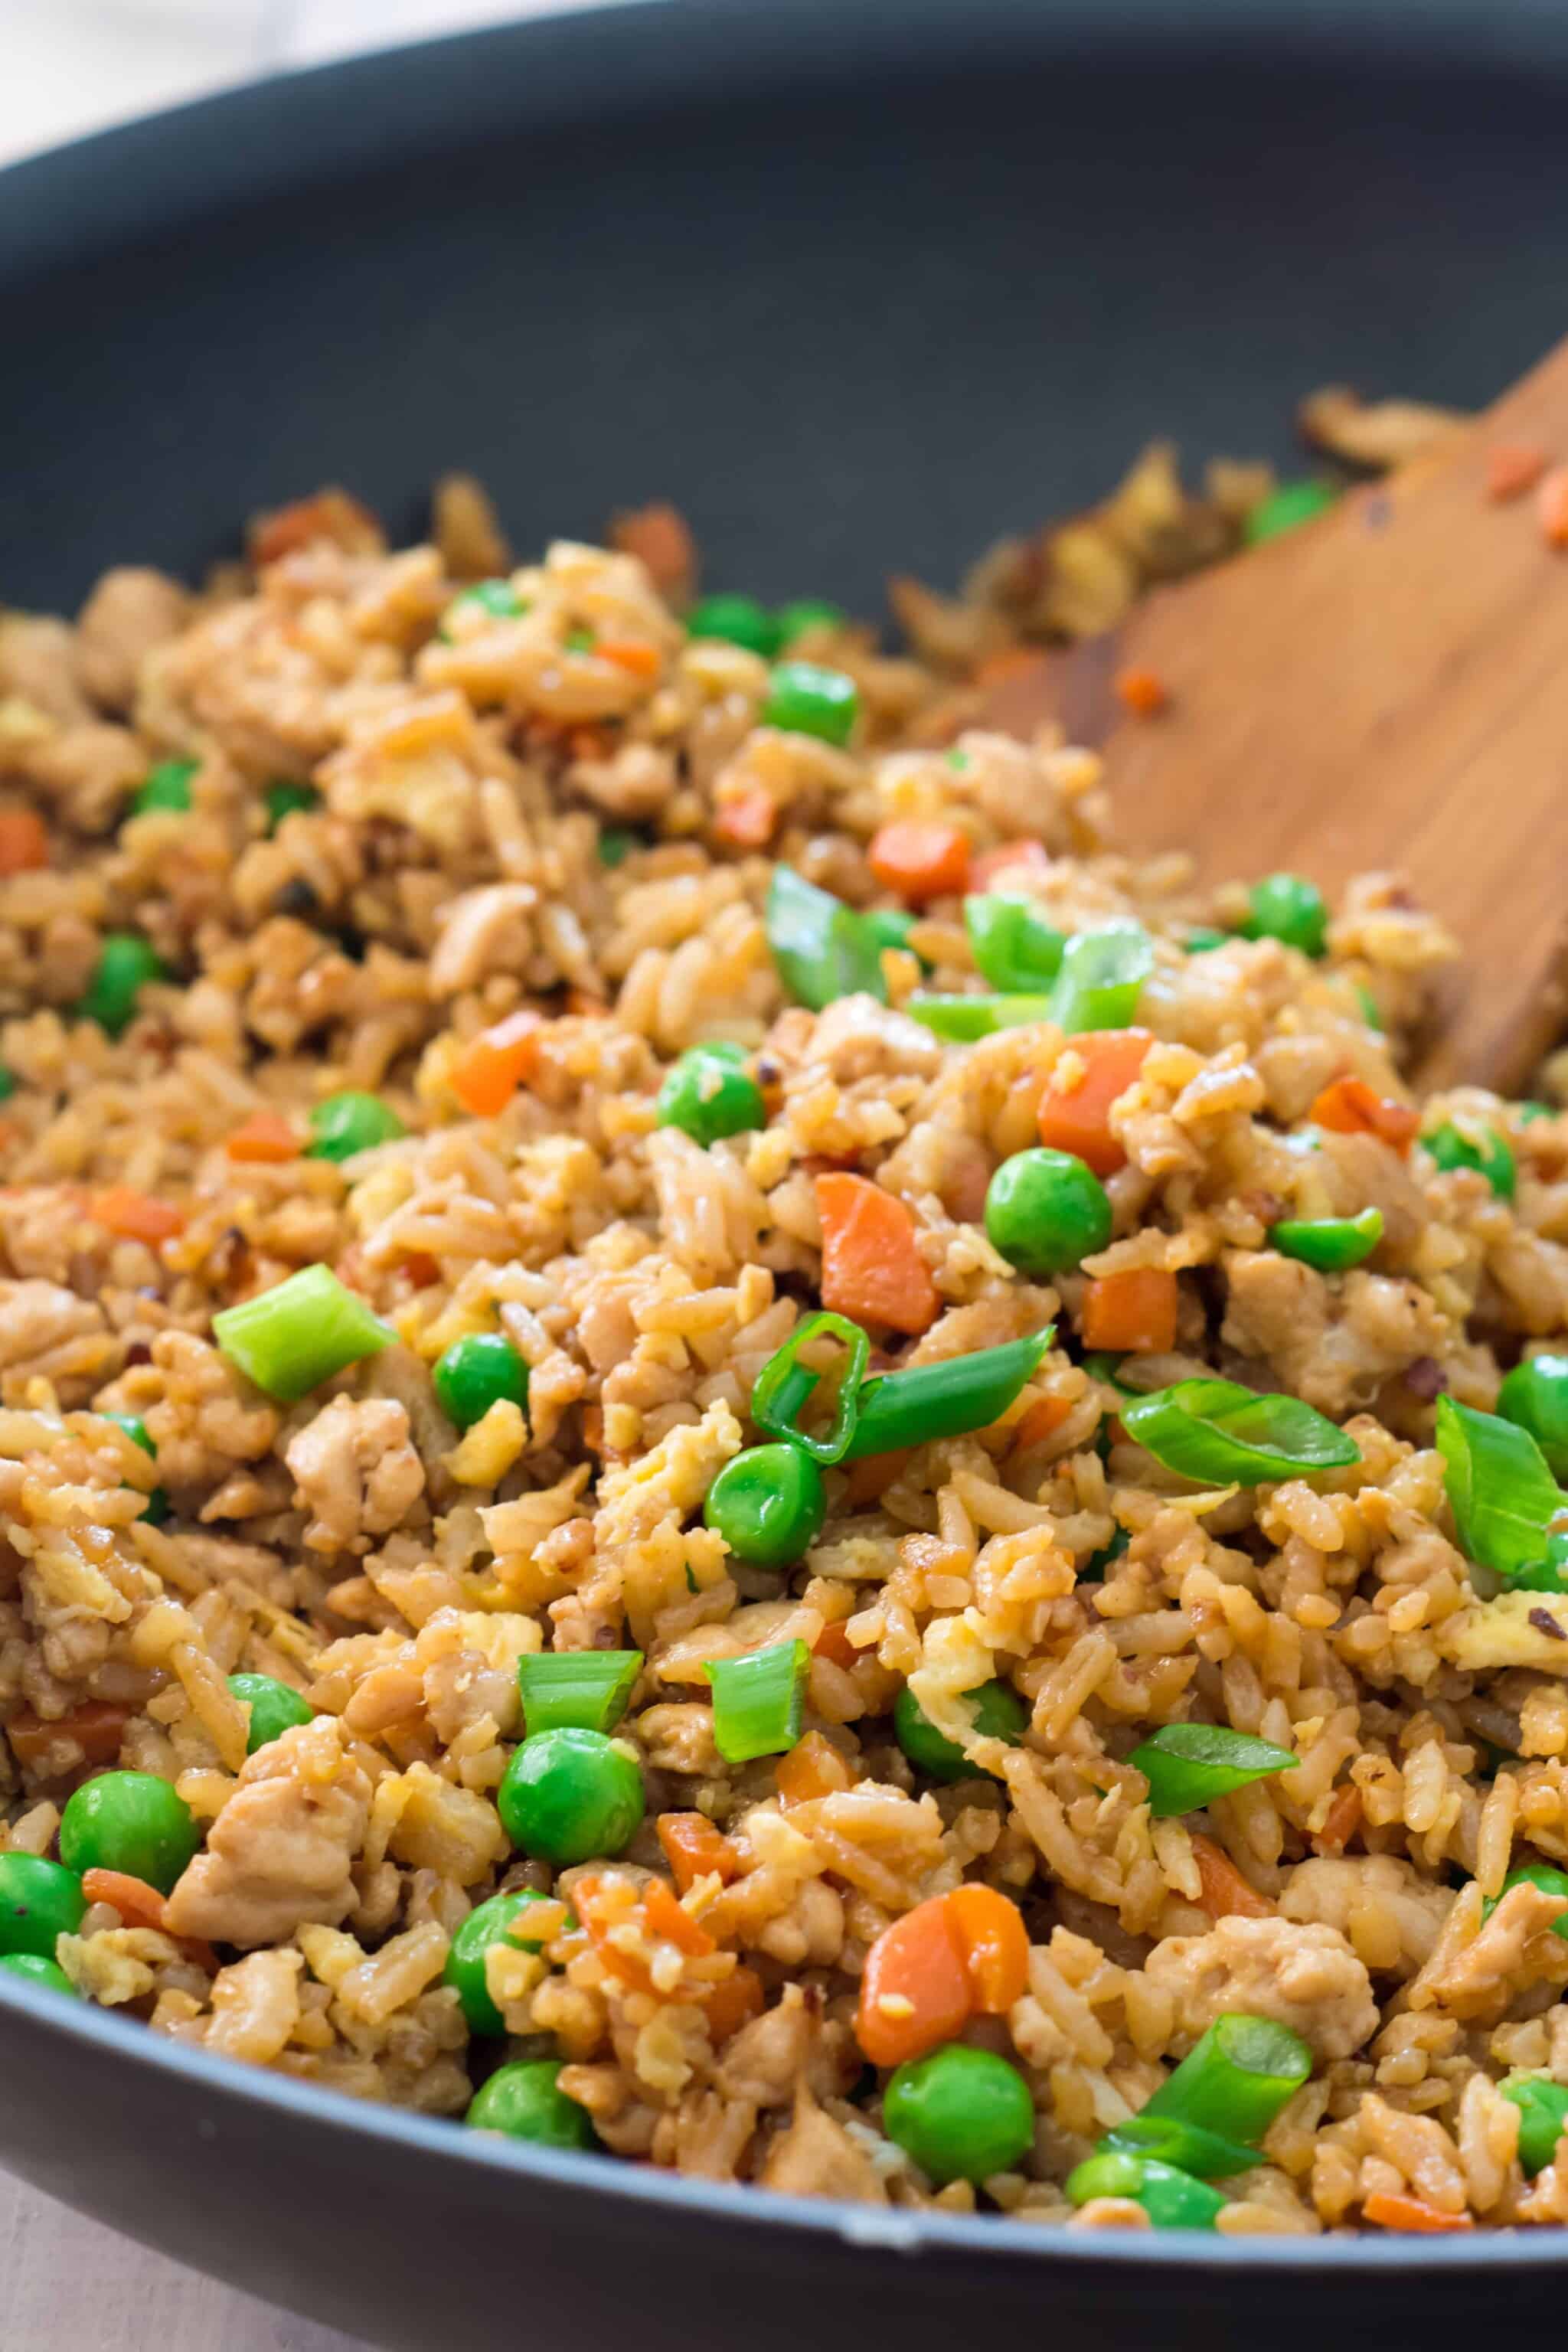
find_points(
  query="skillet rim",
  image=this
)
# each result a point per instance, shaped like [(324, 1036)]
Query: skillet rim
[(236, 147)]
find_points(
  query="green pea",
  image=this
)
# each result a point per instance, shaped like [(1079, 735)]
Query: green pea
[(1045, 1211), (808, 612), (1333, 1244), (348, 1123), (1286, 509), (571, 1796), (131, 1821), (1539, 1874), (1287, 907), (496, 597), (525, 2102), (708, 1094), (996, 1710), (1487, 1152), (962, 2114), (1202, 937), (803, 698), (126, 962), (1527, 1113), (275, 1708), (578, 641), (768, 1504), (34, 1968), (738, 621), (167, 786), (39, 1902), (284, 799), (1535, 1396), (7, 1082), (617, 843), (1542, 2111), (475, 1372), (486, 1924), (1094, 1567)]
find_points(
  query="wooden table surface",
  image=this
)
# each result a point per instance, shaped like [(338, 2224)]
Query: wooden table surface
[(68, 2286)]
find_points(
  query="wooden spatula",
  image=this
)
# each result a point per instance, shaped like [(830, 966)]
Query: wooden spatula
[(1384, 688)]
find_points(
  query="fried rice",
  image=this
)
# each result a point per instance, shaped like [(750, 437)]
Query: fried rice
[(558, 803)]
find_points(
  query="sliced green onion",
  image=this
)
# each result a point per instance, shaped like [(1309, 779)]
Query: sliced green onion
[(1101, 977), (947, 1400), (284, 799), (1094, 1567), (1534, 1874), (577, 641), (585, 1690), (1172, 2200), (1202, 939), (167, 786), (784, 1384), (1286, 508), (1188, 1765), (960, 1019), (808, 612), (1236, 2078), (617, 843), (347, 1124), (759, 1703), (126, 962), (1527, 1113), (1542, 2111), (498, 598), (1330, 1243), (737, 621), (1222, 1434), (1014, 946), (823, 949), (805, 698), (1206, 2155), (290, 1339), (1370, 1011), (1502, 1493), (1107, 1368), (890, 926)]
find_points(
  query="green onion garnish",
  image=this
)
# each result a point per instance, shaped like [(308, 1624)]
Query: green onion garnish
[(167, 786), (1014, 947), (284, 799), (1542, 2111), (823, 949), (1534, 1874), (1188, 1765), (784, 1384), (1101, 977), (1206, 2155), (1172, 2200), (1502, 1493), (1202, 939), (759, 1703), (586, 1690), (948, 1400), (1236, 2078), (346, 1123), (1222, 1434), (960, 1019), (1484, 1150), (1330, 1243), (290, 1339)]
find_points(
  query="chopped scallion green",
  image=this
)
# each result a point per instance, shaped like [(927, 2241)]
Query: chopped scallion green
[(290, 1339), (1101, 977), (1172, 2200), (585, 1690), (759, 1702), (823, 949), (1333, 1244), (1236, 2078), (945, 1400), (1014, 946), (785, 1385)]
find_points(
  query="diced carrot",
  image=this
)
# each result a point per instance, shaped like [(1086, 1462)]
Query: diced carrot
[(24, 844), (872, 1270), (695, 1848), (1032, 855), (135, 1216), (1132, 1313), (421, 1268), (1043, 1419), (919, 858), (995, 1946), (1386, 2209), (138, 1905), (1141, 691), (672, 1924), (749, 819), (1349, 1107), (833, 1643), (330, 514), (1341, 1822), (1513, 467), (96, 1725), (914, 1989), (589, 742), (734, 2000), (630, 654), (492, 1066), (265, 1135), (813, 1768), (1224, 1891), (870, 1477), (1075, 1110), (1551, 506), (659, 536)]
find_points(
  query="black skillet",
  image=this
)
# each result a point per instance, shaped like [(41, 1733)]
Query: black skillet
[(861, 284)]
